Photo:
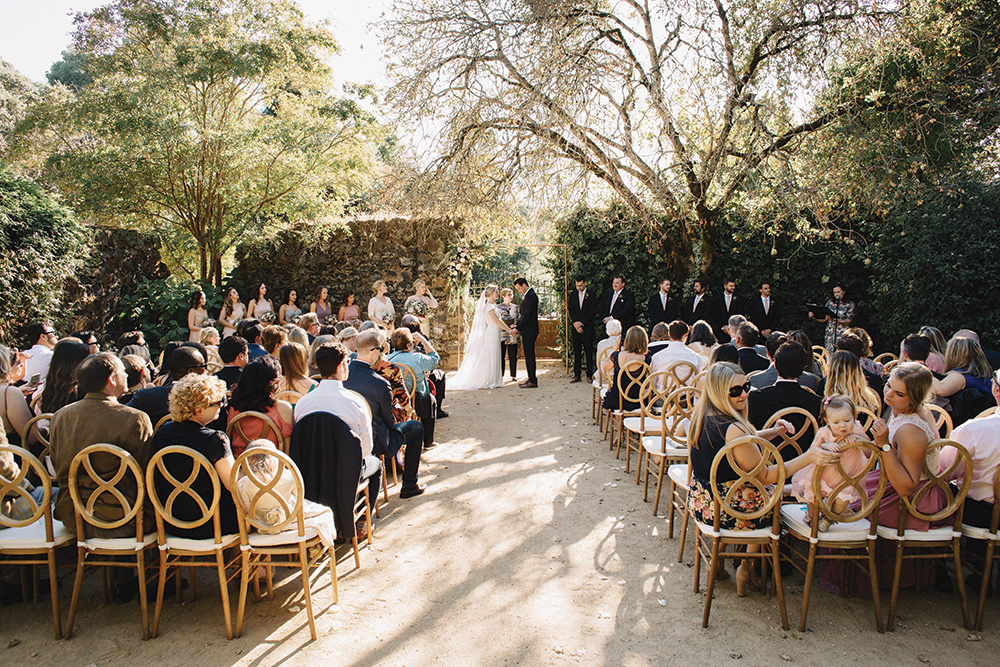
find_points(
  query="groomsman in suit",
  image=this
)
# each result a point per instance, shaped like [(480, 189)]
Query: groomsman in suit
[(618, 304), (764, 312), (582, 310), (726, 305), (527, 326), (699, 306), (661, 307)]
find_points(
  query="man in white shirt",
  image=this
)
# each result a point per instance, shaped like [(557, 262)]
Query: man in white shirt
[(43, 338), (676, 351), (330, 396)]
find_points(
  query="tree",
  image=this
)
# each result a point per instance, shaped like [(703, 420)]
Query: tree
[(70, 71), (17, 93), (676, 108), (210, 117)]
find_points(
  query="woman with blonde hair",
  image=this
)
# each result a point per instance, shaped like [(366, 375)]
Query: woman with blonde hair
[(319, 341), (420, 303), (720, 417), (294, 365), (966, 367), (380, 308), (209, 339), (845, 377), (480, 367), (939, 347)]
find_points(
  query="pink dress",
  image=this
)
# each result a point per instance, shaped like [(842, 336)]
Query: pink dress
[(853, 461), (255, 428)]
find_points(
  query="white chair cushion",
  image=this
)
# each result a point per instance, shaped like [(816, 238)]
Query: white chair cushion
[(33, 536), (118, 543), (794, 517), (652, 444), (646, 425), (708, 529), (282, 538), (972, 532), (201, 546), (932, 535), (678, 474)]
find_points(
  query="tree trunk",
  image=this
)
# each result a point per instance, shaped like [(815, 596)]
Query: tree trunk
[(708, 224)]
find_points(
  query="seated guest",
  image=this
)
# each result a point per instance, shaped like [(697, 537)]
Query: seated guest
[(421, 364), (13, 408), (614, 340), (155, 401), (294, 364), (88, 338), (855, 345), (676, 350), (745, 340), (659, 337), (255, 392), (790, 360), (234, 354), (846, 377), (770, 375), (436, 377), (195, 402), (137, 375), (132, 338), (298, 335), (389, 436), (702, 339), (966, 367), (635, 347), (726, 353), (60, 387), (321, 339), (310, 324), (347, 336), (272, 338), (99, 417), (42, 338), (331, 397), (253, 334), (939, 347), (917, 348), (802, 339), (867, 363), (209, 338)]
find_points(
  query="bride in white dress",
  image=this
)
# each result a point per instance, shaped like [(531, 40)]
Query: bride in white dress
[(480, 368)]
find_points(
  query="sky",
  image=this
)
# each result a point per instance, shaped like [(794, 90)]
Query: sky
[(33, 34)]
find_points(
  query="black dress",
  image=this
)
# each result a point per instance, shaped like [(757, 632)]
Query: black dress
[(631, 401), (213, 445)]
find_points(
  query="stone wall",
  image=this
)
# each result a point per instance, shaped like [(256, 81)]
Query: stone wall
[(349, 256)]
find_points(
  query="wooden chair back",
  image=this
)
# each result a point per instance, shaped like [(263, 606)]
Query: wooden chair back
[(680, 374), (939, 480), (409, 381), (630, 379), (889, 367), (36, 430), (653, 394), (987, 412), (164, 508), (768, 456), (796, 441), (123, 470), (867, 419), (12, 489), (603, 375), (678, 407), (885, 358), (289, 395), (269, 430), (822, 357), (163, 420), (942, 420), (292, 510), (868, 502)]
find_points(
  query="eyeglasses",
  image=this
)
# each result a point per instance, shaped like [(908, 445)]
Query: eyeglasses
[(739, 390), (50, 333), (219, 403)]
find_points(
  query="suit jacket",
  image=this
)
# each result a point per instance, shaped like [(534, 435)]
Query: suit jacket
[(722, 314), (624, 310), (527, 323), (770, 376), (657, 313), (363, 379), (770, 319), (704, 311), (230, 375), (154, 401), (762, 403), (585, 314), (751, 361)]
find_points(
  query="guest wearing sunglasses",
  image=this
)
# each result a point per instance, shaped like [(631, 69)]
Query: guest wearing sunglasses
[(195, 402), (720, 417)]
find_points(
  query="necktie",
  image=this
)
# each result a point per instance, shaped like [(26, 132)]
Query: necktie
[(767, 305), (581, 300)]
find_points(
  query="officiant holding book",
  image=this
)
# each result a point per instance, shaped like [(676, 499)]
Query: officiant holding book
[(838, 319)]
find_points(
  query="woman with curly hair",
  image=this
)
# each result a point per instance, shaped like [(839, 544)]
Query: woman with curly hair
[(195, 402), (60, 384), (232, 312), (255, 392)]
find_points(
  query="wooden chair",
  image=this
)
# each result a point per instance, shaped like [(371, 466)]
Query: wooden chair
[(942, 420), (269, 430), (991, 536), (410, 381), (31, 540), (600, 384), (885, 358), (712, 538), (289, 395), (163, 420), (936, 543), (35, 435), (177, 553), (867, 419), (850, 532), (294, 540), (796, 441), (822, 357), (670, 444), (987, 412), (629, 381), (889, 367), (652, 397), (119, 469), (680, 484)]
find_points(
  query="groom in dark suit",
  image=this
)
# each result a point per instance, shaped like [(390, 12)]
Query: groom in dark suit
[(527, 326)]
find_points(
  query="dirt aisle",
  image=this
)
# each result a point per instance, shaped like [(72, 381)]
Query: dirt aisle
[(531, 546)]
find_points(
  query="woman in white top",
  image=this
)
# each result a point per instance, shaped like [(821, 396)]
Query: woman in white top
[(421, 294), (380, 309)]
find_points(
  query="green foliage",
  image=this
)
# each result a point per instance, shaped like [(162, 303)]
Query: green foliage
[(41, 245), (159, 308), (70, 71), (17, 93)]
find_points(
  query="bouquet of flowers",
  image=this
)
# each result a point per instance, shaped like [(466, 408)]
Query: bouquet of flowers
[(209, 322), (329, 319), (418, 307), (389, 318), (268, 317), (295, 319)]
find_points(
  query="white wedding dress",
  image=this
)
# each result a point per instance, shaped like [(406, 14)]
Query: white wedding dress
[(480, 367)]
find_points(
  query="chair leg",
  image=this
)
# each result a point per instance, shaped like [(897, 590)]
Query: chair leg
[(304, 563), (894, 595), (961, 584), (368, 517), (697, 563), (776, 566), (684, 528), (987, 576), (161, 586), (227, 612), (873, 578), (332, 556), (140, 567), (244, 585), (54, 593), (711, 565), (807, 587), (659, 487), (77, 583)]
